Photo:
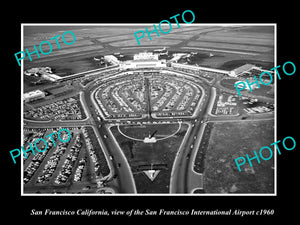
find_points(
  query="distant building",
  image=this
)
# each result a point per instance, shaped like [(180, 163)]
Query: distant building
[(111, 59), (244, 69), (37, 71), (43, 72), (241, 69), (143, 60), (177, 56), (33, 95), (51, 77), (145, 56)]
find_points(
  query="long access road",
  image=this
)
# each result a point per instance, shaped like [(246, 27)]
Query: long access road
[(122, 171), (181, 169)]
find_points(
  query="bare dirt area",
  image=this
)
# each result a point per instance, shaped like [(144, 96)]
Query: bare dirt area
[(232, 140)]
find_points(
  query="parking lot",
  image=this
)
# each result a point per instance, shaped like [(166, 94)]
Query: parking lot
[(130, 97), (65, 109), (72, 166)]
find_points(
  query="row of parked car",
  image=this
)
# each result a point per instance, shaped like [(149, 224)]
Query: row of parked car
[(37, 159), (52, 163), (79, 170), (69, 162)]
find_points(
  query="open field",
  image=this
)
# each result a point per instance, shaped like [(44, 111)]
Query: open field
[(46, 48), (229, 141), (69, 50), (237, 40), (243, 47), (107, 39), (36, 34), (247, 31), (247, 38), (67, 66), (182, 36), (145, 41)]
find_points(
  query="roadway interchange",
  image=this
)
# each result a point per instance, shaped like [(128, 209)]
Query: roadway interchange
[(180, 167), (183, 177)]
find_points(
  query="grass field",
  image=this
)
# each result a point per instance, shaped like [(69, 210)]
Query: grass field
[(232, 140), (237, 40), (231, 46), (145, 41), (144, 156), (247, 32)]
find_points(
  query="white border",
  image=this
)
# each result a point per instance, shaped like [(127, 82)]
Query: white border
[(142, 25)]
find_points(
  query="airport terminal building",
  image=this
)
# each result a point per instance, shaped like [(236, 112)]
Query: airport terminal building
[(143, 60)]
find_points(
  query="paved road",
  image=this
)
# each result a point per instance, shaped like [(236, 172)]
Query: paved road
[(182, 170), (122, 170), (183, 178)]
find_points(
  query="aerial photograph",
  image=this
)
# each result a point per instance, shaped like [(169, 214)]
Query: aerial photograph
[(157, 116)]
